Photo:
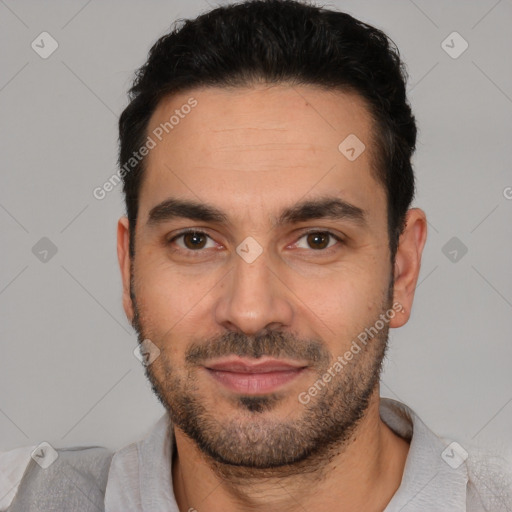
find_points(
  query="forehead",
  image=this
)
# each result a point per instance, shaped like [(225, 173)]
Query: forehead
[(249, 147)]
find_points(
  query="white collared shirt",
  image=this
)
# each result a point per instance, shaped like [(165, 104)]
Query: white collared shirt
[(436, 477)]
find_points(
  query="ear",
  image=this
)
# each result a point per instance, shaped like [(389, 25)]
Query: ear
[(407, 264), (123, 255)]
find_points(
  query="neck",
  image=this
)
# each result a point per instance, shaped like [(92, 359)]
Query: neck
[(361, 474)]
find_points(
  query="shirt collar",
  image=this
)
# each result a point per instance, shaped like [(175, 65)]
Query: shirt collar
[(432, 475)]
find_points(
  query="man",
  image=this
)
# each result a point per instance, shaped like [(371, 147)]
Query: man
[(269, 245), (268, 248)]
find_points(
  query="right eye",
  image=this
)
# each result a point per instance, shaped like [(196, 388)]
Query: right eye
[(191, 240)]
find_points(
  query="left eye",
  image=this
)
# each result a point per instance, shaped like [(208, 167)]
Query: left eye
[(318, 240)]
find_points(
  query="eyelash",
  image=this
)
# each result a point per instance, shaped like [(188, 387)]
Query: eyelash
[(199, 251)]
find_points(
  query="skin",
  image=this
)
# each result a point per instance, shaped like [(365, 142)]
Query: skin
[(252, 152)]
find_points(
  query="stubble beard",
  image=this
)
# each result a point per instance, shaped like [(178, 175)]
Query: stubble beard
[(252, 443)]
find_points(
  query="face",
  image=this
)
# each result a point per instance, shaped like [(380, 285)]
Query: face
[(257, 239)]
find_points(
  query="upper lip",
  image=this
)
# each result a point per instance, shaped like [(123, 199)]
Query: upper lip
[(241, 365)]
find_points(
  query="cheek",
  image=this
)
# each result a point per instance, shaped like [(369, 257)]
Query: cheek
[(169, 299), (346, 302)]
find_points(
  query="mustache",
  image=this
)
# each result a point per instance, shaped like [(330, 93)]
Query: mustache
[(274, 344)]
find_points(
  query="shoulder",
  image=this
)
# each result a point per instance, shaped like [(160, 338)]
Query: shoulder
[(93, 461), (489, 480), (54, 477)]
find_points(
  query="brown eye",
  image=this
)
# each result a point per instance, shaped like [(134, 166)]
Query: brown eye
[(192, 241), (318, 240)]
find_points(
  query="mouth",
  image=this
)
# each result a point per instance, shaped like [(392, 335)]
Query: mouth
[(254, 376)]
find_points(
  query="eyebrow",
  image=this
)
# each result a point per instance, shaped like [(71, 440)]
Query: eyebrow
[(327, 207)]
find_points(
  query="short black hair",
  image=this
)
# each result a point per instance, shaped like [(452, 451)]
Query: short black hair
[(280, 41)]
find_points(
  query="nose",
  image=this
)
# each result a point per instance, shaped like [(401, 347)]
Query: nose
[(253, 299)]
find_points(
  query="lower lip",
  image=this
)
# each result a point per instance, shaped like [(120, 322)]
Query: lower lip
[(253, 383)]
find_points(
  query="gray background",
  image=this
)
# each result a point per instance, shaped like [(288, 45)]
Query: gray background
[(67, 370)]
